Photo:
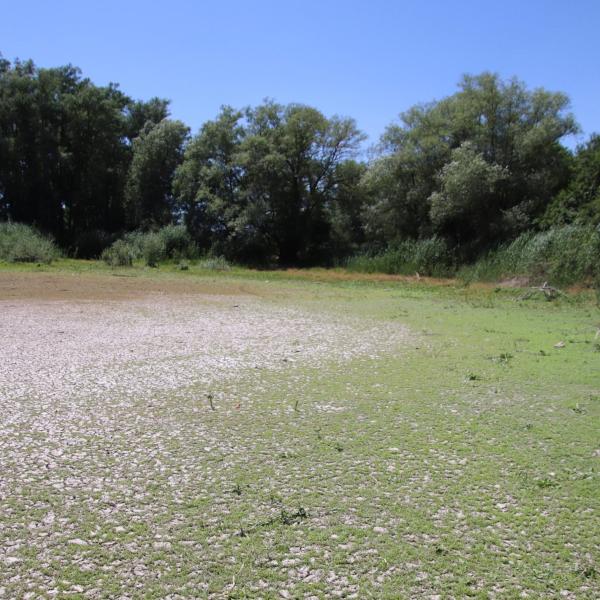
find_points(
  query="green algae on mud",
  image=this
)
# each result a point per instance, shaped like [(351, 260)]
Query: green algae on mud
[(462, 464)]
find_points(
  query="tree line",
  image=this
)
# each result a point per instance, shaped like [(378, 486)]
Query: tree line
[(285, 184)]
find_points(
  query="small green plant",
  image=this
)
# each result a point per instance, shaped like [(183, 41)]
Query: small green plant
[(473, 377), (210, 399), (546, 483), (588, 571), (287, 518), (504, 358)]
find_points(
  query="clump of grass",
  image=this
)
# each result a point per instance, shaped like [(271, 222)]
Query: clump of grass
[(430, 257), (214, 263), (473, 377), (22, 243), (503, 358)]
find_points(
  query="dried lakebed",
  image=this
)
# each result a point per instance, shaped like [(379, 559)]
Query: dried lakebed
[(58, 351), (117, 476)]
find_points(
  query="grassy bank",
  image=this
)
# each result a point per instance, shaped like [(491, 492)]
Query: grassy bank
[(562, 256)]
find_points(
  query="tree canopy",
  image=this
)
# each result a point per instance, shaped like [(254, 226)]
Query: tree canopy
[(286, 184)]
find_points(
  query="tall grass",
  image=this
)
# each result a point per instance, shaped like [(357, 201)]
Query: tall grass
[(22, 243), (214, 263), (430, 257), (562, 256)]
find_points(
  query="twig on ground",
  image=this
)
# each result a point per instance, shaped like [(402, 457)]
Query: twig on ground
[(550, 292)]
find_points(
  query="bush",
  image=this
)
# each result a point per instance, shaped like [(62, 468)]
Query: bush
[(153, 249), (120, 254), (562, 255), (21, 243), (178, 242), (172, 241), (430, 257)]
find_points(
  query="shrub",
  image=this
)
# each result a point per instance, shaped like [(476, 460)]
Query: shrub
[(153, 249), (135, 240), (172, 241), (21, 243), (120, 254), (178, 242)]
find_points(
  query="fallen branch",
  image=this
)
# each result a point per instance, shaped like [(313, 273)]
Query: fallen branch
[(551, 293)]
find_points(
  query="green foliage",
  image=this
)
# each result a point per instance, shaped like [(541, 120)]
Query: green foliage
[(157, 152), (214, 263), (465, 205), (178, 242), (277, 184), (154, 249), (562, 255), (579, 202), (430, 257), (120, 254), (65, 149), (477, 167), (170, 242), (257, 184), (21, 243)]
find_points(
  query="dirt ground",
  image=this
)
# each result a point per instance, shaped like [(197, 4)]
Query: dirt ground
[(100, 287), (73, 335)]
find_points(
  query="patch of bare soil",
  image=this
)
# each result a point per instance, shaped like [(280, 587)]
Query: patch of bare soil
[(63, 349), (75, 286)]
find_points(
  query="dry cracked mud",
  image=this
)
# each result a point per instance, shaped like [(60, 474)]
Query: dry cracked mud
[(117, 476)]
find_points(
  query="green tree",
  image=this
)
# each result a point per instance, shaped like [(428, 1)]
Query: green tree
[(516, 131), (157, 152), (207, 184), (65, 149), (258, 184), (580, 200), (465, 206), (290, 158)]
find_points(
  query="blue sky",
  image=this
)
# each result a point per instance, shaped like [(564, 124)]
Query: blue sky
[(368, 60)]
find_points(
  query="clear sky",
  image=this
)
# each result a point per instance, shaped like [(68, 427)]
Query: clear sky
[(368, 60)]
